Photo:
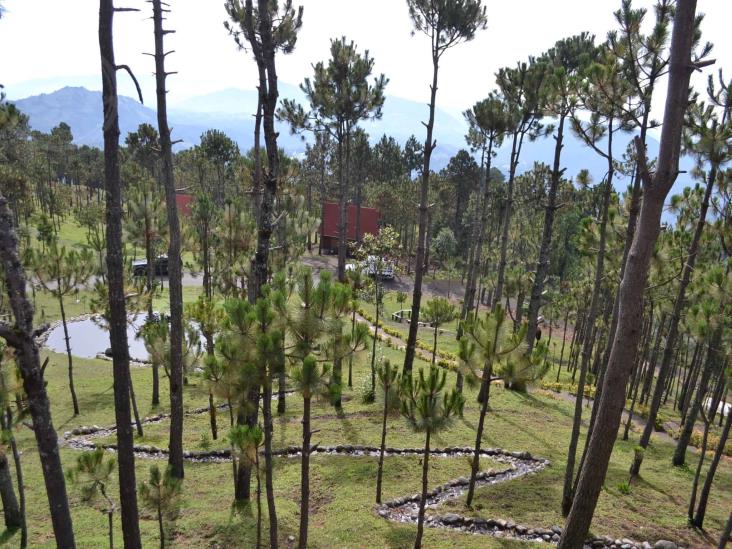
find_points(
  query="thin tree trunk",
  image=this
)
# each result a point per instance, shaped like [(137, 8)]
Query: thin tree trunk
[(115, 282), (429, 145), (376, 337), (679, 457), (259, 500), (707, 488), (161, 528), (485, 388), (668, 352), (67, 339), (175, 445), (699, 465), (20, 337), (350, 356), (212, 415), (727, 534), (19, 478), (630, 312), (268, 480), (305, 475), (382, 448), (564, 341), (11, 509), (133, 401), (588, 343), (423, 499), (542, 265)]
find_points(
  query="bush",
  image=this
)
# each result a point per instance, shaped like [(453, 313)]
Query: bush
[(366, 393), (624, 488)]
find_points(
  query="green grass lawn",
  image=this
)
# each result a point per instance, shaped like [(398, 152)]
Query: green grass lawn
[(342, 508), (342, 488)]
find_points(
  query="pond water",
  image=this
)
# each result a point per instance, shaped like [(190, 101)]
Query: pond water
[(88, 339)]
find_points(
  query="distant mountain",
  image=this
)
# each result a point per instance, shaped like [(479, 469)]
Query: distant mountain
[(232, 111)]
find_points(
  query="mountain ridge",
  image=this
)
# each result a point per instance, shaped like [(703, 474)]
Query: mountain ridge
[(231, 110)]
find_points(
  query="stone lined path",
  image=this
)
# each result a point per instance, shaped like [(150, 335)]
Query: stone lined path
[(403, 509)]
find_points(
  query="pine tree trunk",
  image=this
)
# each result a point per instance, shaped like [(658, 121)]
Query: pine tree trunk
[(133, 401), (699, 465), (679, 457), (376, 337), (259, 501), (175, 445), (268, 466), (281, 382), (212, 415), (668, 352), (727, 534), (423, 498), (515, 153), (429, 145), (115, 282), (305, 475), (342, 209), (19, 478), (485, 389), (382, 447), (564, 341), (20, 337), (67, 339), (542, 265), (588, 344), (707, 488), (161, 529), (630, 312), (11, 509)]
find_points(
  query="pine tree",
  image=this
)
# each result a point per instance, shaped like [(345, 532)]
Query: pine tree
[(429, 409), (161, 494), (446, 23), (92, 475)]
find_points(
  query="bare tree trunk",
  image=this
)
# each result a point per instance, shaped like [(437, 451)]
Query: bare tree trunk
[(668, 352), (423, 499), (268, 477), (305, 475), (485, 389), (679, 457), (342, 207), (67, 339), (382, 447), (727, 534), (701, 509), (588, 343), (115, 281), (20, 337), (175, 445), (11, 509), (630, 312), (429, 146), (542, 265)]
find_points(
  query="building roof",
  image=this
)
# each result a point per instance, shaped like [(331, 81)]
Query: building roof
[(329, 225)]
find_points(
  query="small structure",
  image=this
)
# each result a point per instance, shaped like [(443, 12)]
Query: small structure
[(331, 218), (184, 203)]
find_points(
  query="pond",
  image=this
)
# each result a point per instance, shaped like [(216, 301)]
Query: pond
[(88, 339)]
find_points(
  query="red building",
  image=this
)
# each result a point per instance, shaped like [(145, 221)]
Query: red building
[(184, 203), (331, 218)]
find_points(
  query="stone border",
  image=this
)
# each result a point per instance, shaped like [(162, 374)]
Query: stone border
[(404, 509)]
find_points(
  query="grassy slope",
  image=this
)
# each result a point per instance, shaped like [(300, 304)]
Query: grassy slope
[(342, 488)]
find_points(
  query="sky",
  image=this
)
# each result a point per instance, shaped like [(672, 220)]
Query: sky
[(41, 54)]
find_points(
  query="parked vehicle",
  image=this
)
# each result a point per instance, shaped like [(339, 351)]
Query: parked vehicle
[(371, 264), (139, 267)]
